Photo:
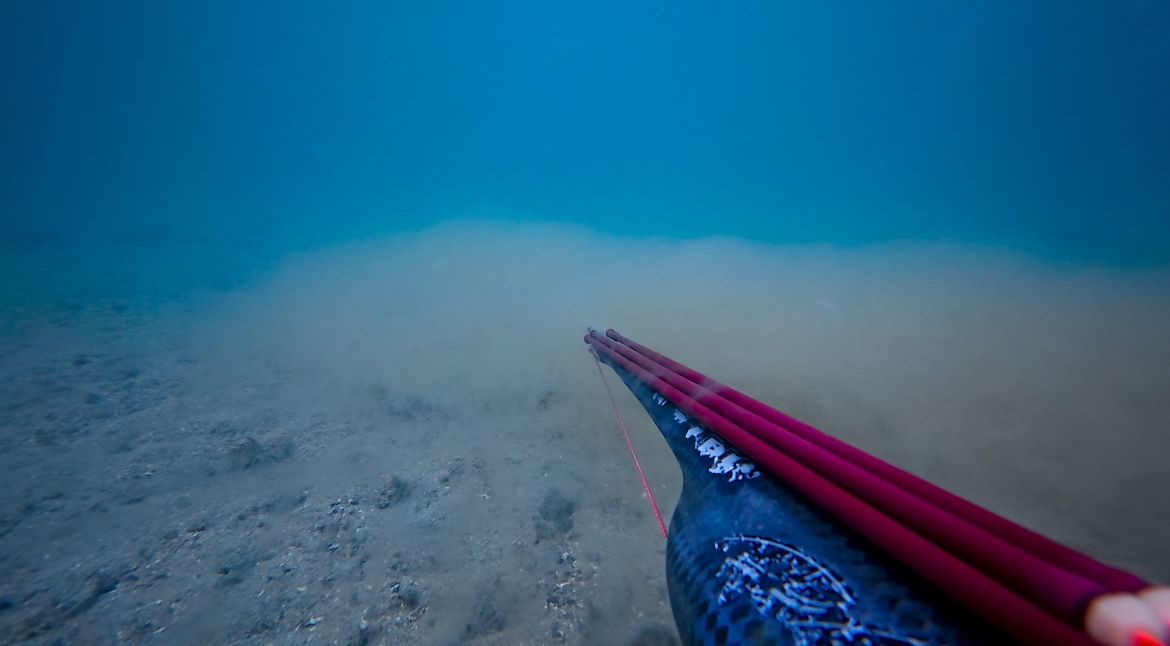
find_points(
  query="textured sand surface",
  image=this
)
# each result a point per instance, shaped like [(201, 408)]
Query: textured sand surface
[(404, 440)]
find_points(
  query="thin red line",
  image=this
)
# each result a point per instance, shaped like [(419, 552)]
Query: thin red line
[(633, 454)]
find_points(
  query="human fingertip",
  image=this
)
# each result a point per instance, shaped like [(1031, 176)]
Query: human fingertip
[(1158, 599), (1123, 620)]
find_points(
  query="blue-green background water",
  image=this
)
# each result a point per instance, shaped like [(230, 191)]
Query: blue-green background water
[(1026, 125), (259, 258)]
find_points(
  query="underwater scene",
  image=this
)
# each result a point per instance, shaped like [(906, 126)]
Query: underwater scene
[(293, 295)]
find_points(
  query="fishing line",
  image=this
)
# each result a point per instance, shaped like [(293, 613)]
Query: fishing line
[(633, 454)]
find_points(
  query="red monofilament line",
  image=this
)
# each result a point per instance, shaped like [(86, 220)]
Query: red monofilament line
[(630, 444)]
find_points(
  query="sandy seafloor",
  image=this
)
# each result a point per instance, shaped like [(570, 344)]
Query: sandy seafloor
[(404, 441)]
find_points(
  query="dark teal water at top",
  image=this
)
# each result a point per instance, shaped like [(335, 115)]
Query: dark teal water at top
[(1037, 126)]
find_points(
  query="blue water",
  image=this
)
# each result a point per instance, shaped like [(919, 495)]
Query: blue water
[(1032, 126), (292, 294)]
